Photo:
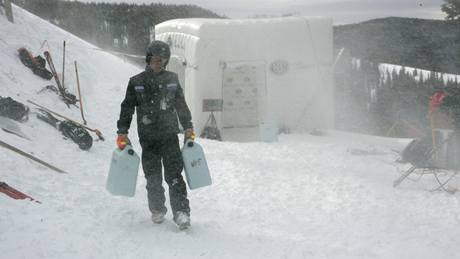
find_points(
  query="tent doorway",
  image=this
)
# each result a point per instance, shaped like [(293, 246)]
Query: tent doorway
[(243, 94)]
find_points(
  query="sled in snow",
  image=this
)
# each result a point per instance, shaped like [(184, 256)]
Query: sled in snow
[(14, 193)]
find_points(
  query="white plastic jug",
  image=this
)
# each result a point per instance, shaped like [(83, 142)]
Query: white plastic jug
[(195, 165), (268, 132), (123, 171)]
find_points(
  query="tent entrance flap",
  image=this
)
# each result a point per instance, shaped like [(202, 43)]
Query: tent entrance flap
[(243, 88)]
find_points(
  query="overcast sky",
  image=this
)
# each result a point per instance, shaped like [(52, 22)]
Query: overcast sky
[(342, 11)]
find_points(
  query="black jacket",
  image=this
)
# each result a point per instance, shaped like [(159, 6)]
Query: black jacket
[(159, 100)]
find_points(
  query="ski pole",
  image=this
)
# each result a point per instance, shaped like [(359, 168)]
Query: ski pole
[(56, 78), (8, 10), (53, 70), (79, 93), (98, 132), (17, 150)]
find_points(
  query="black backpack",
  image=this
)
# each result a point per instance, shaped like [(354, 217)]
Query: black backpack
[(36, 64), (77, 134), (13, 109), (71, 130)]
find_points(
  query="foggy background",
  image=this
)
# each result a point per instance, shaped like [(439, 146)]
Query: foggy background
[(371, 98), (342, 11)]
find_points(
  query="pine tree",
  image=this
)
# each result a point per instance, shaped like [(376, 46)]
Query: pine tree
[(452, 9), (105, 24)]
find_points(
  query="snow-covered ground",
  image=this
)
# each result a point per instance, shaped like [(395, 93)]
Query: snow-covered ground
[(304, 196)]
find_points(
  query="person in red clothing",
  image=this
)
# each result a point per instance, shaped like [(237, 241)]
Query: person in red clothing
[(445, 121), (438, 118)]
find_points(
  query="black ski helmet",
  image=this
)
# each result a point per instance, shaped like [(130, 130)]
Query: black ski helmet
[(158, 48)]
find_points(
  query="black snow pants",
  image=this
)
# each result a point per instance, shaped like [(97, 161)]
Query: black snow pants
[(165, 150)]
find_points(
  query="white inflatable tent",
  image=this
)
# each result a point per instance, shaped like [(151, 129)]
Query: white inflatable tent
[(256, 75)]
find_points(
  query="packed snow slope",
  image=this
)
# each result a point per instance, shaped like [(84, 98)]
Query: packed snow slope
[(301, 197)]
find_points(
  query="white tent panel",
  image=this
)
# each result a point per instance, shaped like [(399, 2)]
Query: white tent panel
[(266, 71)]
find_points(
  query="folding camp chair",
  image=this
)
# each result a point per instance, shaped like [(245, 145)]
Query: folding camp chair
[(438, 159)]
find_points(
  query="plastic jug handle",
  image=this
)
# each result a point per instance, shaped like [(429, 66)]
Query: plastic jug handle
[(189, 143), (129, 149)]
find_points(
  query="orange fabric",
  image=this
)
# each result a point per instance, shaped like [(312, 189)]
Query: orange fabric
[(29, 54), (189, 134), (436, 100), (122, 141), (439, 119)]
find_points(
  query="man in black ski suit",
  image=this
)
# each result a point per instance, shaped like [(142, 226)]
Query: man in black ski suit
[(158, 99)]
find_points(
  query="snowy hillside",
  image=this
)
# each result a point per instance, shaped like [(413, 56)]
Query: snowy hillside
[(302, 197), (418, 74)]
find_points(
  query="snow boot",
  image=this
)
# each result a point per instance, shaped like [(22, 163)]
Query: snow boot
[(182, 220), (158, 217)]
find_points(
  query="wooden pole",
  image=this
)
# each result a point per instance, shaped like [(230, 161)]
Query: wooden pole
[(9, 11), (63, 64), (22, 153), (79, 94)]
